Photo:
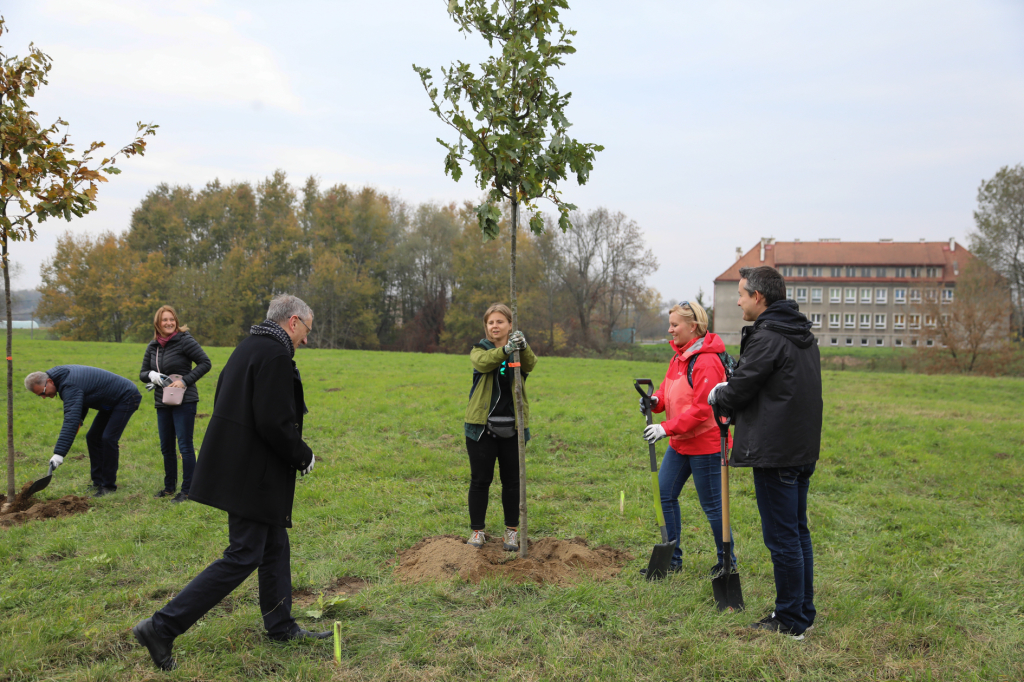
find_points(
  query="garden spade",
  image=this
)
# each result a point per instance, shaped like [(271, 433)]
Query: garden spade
[(726, 585), (41, 483), (661, 557)]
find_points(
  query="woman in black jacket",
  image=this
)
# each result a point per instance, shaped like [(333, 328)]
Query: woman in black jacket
[(172, 352)]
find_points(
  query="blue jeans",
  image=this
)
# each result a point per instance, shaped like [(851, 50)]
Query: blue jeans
[(104, 441), (707, 480), (178, 421), (782, 501)]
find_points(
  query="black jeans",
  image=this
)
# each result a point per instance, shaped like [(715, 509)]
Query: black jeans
[(782, 501), (177, 421), (104, 438), (252, 546), (482, 454)]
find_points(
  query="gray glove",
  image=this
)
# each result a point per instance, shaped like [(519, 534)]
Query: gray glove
[(159, 379), (56, 461), (712, 397), (643, 410), (308, 469), (519, 339)]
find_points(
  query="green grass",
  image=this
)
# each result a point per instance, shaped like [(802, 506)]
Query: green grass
[(916, 523)]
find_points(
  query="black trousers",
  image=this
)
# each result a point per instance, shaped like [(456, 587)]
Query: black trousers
[(482, 455), (252, 546), (104, 441)]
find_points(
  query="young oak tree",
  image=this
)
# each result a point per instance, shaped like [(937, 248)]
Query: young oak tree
[(40, 178), (513, 131)]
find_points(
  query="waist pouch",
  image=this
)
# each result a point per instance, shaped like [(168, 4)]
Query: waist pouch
[(502, 427)]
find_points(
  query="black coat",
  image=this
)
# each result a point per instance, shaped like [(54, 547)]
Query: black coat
[(775, 392), (176, 358), (253, 445)]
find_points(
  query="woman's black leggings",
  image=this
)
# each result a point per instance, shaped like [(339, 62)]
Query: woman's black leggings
[(482, 454)]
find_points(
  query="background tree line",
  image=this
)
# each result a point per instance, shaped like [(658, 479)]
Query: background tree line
[(378, 272)]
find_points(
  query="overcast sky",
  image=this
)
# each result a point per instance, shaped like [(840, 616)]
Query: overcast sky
[(723, 122)]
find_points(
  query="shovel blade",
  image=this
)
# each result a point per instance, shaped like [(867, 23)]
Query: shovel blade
[(39, 485), (661, 559), (727, 591)]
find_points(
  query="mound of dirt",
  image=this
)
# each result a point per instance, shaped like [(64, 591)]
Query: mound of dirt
[(27, 508), (550, 560)]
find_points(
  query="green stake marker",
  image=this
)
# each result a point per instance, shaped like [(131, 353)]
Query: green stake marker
[(622, 502), (337, 642)]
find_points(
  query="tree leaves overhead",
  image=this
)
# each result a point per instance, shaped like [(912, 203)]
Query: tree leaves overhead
[(510, 111)]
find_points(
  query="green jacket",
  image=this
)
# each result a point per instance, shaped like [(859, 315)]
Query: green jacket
[(486, 359)]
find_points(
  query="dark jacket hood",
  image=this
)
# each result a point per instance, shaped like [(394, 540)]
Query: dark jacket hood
[(784, 317)]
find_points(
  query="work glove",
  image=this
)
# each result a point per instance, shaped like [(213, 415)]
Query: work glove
[(56, 461), (308, 469), (654, 433), (159, 379), (509, 347), (643, 408), (712, 395), (519, 339)]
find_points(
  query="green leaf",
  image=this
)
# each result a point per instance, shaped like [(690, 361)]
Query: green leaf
[(537, 223), (489, 215)]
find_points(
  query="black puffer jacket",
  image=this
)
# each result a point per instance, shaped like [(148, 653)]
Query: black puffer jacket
[(775, 393), (176, 358)]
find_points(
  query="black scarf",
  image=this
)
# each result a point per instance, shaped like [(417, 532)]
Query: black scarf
[(271, 328)]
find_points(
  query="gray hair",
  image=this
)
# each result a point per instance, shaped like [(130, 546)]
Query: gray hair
[(36, 379), (283, 306), (767, 280)]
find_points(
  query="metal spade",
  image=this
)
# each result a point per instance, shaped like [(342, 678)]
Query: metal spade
[(661, 556)]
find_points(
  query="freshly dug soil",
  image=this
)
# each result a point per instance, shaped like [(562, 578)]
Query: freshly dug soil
[(550, 560), (27, 508), (345, 586)]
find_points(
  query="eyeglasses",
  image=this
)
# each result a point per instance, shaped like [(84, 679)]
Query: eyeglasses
[(685, 304), (308, 330)]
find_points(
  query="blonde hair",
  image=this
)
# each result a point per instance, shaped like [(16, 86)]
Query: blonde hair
[(497, 308), (159, 313), (692, 312)]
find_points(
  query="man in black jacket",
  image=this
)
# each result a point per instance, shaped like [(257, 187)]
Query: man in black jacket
[(81, 389), (775, 398), (247, 464)]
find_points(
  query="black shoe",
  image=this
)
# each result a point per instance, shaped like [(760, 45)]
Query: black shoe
[(301, 634), (164, 493), (674, 568), (159, 648), (101, 492), (772, 624), (180, 497)]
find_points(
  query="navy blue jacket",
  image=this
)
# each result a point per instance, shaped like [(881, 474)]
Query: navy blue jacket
[(83, 388)]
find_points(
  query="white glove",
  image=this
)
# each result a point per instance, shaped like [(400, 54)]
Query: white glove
[(519, 339), (654, 401), (654, 433), (308, 469), (509, 347), (56, 461), (159, 379), (711, 394)]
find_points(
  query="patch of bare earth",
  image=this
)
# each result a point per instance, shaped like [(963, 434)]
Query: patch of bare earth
[(27, 508), (550, 560), (345, 586)]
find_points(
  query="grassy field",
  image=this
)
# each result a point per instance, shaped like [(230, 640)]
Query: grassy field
[(916, 513)]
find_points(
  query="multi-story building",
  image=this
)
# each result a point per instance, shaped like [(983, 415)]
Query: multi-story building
[(862, 294)]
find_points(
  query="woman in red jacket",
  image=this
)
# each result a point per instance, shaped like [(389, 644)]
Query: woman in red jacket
[(694, 441)]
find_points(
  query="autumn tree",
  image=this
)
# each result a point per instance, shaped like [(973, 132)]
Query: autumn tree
[(999, 239), (40, 177)]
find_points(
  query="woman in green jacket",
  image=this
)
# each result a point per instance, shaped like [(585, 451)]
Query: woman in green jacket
[(490, 423)]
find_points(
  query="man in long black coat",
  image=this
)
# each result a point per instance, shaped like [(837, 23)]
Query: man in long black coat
[(247, 464)]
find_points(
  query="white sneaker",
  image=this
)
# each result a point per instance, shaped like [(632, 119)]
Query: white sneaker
[(511, 543), (477, 539)]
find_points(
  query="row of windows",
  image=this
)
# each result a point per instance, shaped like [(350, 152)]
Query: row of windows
[(874, 321), (864, 341), (819, 271), (867, 295)]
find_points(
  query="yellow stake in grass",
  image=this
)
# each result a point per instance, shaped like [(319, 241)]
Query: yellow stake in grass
[(337, 642)]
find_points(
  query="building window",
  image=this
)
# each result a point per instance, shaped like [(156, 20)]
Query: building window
[(816, 320), (863, 342), (837, 272), (849, 320), (834, 341), (929, 294), (913, 342), (933, 272), (879, 342), (801, 271), (849, 341), (851, 295), (879, 272), (865, 321), (851, 272), (833, 320), (865, 295), (947, 295), (786, 271), (900, 295), (880, 321), (898, 343), (915, 272), (915, 295), (915, 322), (929, 320), (835, 294), (899, 321), (881, 296), (901, 272), (815, 272), (801, 295), (930, 342), (789, 292), (865, 272), (816, 295)]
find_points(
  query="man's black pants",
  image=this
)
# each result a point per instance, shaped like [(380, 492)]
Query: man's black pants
[(104, 441), (252, 546)]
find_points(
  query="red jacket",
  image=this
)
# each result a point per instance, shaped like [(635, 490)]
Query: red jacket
[(689, 421)]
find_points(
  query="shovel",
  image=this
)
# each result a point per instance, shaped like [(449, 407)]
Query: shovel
[(661, 557), (40, 484), (726, 585)]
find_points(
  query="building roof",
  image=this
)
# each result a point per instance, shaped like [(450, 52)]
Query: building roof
[(836, 253)]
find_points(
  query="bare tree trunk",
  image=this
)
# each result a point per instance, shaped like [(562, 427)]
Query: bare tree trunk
[(518, 390), (10, 371)]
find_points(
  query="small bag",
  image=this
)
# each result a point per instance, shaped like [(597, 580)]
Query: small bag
[(172, 397), (502, 427)]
